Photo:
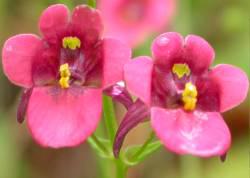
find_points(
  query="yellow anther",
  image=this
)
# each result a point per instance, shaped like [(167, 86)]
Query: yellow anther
[(65, 75), (189, 96), (180, 70), (64, 82), (71, 42), (64, 70)]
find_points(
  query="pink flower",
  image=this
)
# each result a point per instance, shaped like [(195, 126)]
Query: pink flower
[(63, 74), (134, 20), (183, 95)]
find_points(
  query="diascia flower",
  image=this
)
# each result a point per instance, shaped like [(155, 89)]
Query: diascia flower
[(183, 96), (134, 20), (63, 74)]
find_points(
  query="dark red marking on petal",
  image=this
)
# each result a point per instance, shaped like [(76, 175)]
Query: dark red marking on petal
[(45, 68), (208, 94)]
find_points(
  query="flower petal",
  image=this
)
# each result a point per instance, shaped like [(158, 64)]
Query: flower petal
[(63, 118), (116, 55), (54, 21), (198, 133), (133, 21), (233, 84), (17, 57), (88, 23), (198, 53), (138, 76), (167, 47)]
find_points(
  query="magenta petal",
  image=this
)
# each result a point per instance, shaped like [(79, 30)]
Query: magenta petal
[(116, 55), (87, 21), (198, 53), (167, 47), (54, 21), (17, 57), (233, 84), (138, 75), (64, 118), (198, 133)]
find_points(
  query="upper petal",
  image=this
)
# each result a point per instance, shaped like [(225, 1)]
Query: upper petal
[(233, 85), (62, 118), (115, 56), (54, 21), (197, 133), (167, 47), (138, 76), (18, 56), (87, 22), (198, 53)]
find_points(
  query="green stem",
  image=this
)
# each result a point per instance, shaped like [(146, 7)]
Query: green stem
[(144, 146), (94, 140), (121, 169), (91, 3), (109, 117), (111, 125)]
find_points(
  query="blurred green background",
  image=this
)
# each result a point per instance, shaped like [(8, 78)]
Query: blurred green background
[(225, 24)]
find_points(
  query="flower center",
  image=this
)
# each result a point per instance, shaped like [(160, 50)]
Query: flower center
[(64, 75), (71, 42), (180, 70), (189, 96)]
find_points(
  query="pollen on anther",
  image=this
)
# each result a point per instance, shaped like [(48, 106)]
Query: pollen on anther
[(189, 96), (180, 70), (71, 42), (64, 75)]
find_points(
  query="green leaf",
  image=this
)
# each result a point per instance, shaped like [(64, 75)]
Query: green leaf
[(134, 155), (98, 144)]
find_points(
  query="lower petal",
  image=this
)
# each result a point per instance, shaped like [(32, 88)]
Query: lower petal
[(63, 118), (198, 133)]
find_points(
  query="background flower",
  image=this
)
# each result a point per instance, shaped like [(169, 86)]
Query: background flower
[(134, 20)]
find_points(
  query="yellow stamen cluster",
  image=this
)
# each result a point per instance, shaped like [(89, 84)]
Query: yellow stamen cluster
[(71, 42), (65, 75), (180, 70), (189, 96)]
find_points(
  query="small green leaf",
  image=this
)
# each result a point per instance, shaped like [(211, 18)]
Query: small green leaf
[(98, 144), (134, 155)]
